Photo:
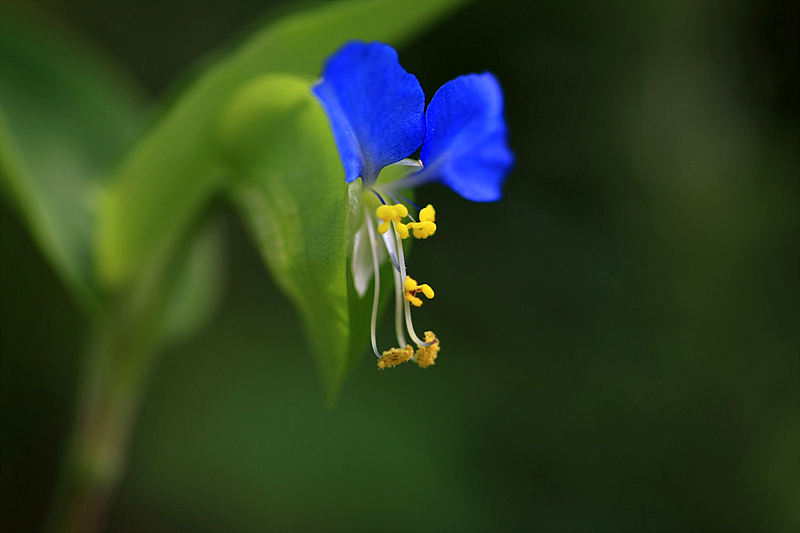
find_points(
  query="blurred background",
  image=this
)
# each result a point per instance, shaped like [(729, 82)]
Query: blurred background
[(621, 334)]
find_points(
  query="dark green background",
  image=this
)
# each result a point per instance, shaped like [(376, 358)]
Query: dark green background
[(620, 334)]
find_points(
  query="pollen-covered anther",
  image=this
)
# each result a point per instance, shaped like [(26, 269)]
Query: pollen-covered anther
[(426, 355), (392, 213), (395, 356), (411, 288)]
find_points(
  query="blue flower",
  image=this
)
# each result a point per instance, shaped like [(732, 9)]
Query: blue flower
[(376, 108), (378, 117), (376, 113), (465, 141)]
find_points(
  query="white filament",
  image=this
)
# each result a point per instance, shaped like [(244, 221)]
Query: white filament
[(398, 309), (377, 295), (406, 304)]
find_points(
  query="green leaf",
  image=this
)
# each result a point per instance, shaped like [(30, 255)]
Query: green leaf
[(168, 180), (66, 113), (292, 193)]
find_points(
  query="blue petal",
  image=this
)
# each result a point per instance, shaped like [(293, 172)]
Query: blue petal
[(376, 108), (466, 141)]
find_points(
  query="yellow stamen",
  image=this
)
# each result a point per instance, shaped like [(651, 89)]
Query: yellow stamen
[(395, 356), (395, 213), (425, 227), (389, 213), (412, 288), (426, 355)]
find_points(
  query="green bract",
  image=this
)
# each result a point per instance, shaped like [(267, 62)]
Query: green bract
[(290, 189)]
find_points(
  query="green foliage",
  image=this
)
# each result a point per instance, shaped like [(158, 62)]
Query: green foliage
[(67, 113)]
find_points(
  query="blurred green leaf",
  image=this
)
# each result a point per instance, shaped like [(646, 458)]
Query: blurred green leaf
[(66, 113), (197, 289), (171, 175), (292, 193)]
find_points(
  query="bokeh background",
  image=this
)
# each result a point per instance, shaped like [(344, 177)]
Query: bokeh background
[(621, 334)]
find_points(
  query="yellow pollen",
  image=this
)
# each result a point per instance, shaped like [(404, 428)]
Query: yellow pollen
[(412, 288), (396, 356), (426, 355), (389, 213)]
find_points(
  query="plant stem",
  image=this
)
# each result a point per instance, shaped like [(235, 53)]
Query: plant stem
[(125, 342), (111, 391)]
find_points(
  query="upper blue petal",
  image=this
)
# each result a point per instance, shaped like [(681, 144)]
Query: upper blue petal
[(466, 141), (376, 108)]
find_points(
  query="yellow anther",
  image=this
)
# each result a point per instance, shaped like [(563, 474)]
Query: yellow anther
[(426, 355), (412, 288), (425, 227), (389, 213), (396, 356)]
